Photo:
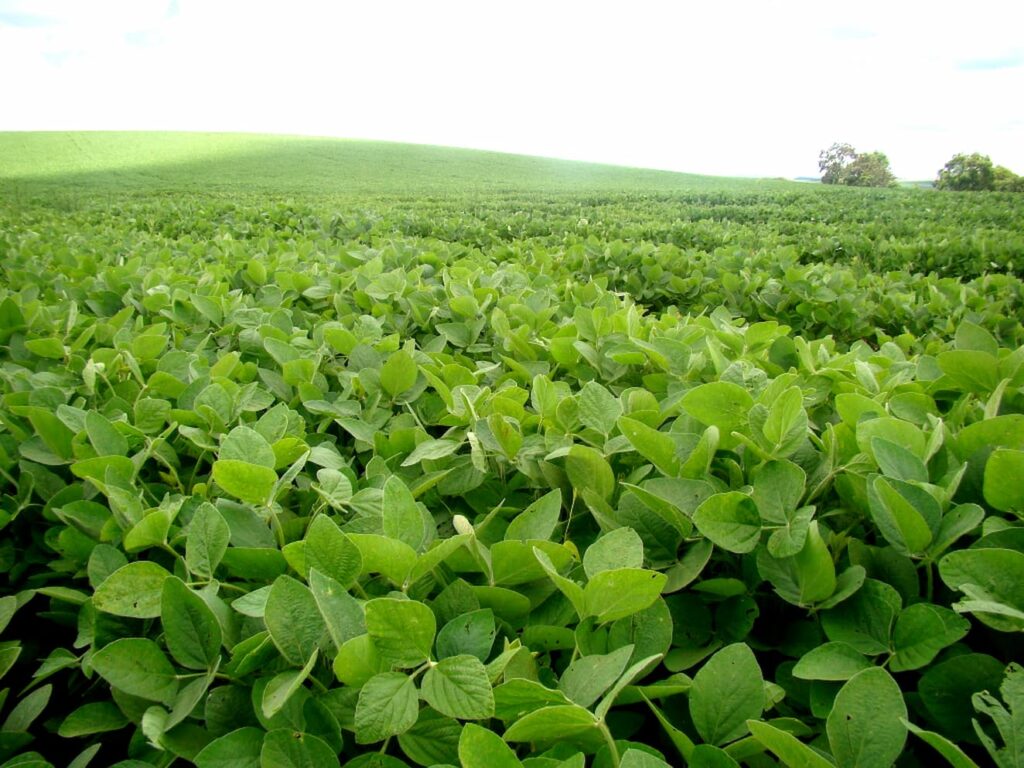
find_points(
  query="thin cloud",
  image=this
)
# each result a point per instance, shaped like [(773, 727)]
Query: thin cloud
[(1006, 61)]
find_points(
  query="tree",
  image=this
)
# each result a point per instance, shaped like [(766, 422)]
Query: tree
[(1005, 180), (967, 172), (869, 170), (834, 160), (842, 164)]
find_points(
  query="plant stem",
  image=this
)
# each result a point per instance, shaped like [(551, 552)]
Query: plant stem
[(613, 751)]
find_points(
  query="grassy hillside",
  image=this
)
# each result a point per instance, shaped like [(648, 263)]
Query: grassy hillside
[(222, 162)]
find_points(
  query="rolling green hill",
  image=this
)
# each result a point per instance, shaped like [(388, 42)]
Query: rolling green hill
[(228, 162)]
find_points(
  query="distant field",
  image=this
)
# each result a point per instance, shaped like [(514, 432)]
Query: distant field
[(222, 162)]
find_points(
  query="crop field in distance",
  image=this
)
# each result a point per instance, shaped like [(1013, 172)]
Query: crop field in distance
[(320, 453)]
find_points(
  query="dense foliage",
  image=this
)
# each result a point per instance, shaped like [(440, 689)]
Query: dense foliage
[(842, 164), (524, 480)]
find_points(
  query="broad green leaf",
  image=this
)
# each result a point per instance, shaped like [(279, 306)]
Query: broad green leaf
[(865, 621), (399, 373), (482, 748), (727, 692), (950, 751), (635, 758), (390, 557), (133, 591), (402, 518), (342, 613), (922, 630), (590, 676), (1003, 487), (294, 620), (589, 471), (431, 450), (655, 446), (238, 749), (1007, 716), (897, 462), (569, 723), (401, 630), (537, 521), (104, 436), (786, 746), (357, 661), (573, 591), (621, 548), (138, 667), (997, 573), (95, 717), (470, 633), (248, 482), (599, 409), (387, 706), (331, 552), (287, 748), (785, 428), (615, 594), (831, 661), (864, 727), (946, 690), (283, 686), (433, 740), (730, 520), (721, 404), (207, 540), (902, 513), (458, 687), (247, 445), (191, 630)]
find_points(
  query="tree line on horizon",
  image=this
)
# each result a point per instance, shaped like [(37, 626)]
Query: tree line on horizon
[(842, 164)]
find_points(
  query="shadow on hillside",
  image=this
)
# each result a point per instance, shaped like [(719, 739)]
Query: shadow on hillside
[(333, 167)]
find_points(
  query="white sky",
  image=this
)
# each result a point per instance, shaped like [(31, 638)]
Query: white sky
[(708, 86)]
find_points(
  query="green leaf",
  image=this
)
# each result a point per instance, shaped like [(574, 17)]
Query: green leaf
[(247, 445), (599, 409), (470, 633), (786, 746), (433, 740), (997, 573), (133, 591), (831, 661), (730, 520), (402, 517), (785, 428), (613, 595), (294, 620), (342, 613), (950, 751), (104, 436), (897, 462), (655, 446), (946, 689), (721, 404), (635, 758), (922, 630), (458, 687), (431, 450), (399, 373), (287, 748), (1008, 717), (248, 482), (481, 748), (569, 723), (402, 630), (865, 621), (357, 661), (138, 667), (331, 552), (238, 749), (207, 541), (283, 686), (537, 521), (864, 727), (1002, 485), (95, 717), (588, 677), (25, 712), (387, 706), (902, 512), (621, 548), (573, 591), (727, 692), (191, 630), (589, 471)]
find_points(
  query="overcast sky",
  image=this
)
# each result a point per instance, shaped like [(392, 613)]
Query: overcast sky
[(711, 86)]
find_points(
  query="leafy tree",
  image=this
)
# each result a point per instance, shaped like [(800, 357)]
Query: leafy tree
[(842, 164), (967, 172), (1005, 180), (869, 170), (834, 160)]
